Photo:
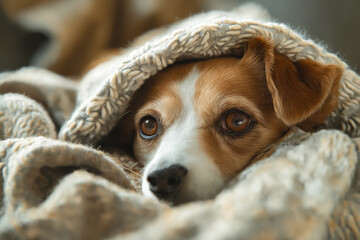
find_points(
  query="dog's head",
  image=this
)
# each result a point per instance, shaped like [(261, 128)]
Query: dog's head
[(197, 125)]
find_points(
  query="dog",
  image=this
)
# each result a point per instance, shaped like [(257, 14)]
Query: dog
[(196, 125)]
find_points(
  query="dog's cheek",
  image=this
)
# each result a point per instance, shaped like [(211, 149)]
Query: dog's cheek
[(227, 156), (143, 151), (202, 183)]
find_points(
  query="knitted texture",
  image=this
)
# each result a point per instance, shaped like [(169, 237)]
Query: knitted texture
[(28, 115), (309, 188), (54, 189), (55, 93), (202, 36)]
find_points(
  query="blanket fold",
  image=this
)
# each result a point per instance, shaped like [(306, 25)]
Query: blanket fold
[(56, 185), (53, 92), (29, 115), (34, 176), (202, 36)]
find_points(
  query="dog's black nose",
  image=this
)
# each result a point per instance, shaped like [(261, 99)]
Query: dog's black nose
[(164, 182)]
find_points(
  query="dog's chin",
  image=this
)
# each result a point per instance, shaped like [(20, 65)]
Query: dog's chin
[(182, 196), (179, 198)]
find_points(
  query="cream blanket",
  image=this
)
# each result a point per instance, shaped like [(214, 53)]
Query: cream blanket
[(60, 187)]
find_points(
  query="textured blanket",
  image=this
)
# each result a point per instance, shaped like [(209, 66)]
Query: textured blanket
[(56, 185)]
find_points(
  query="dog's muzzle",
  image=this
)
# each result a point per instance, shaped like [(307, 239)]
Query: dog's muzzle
[(165, 182)]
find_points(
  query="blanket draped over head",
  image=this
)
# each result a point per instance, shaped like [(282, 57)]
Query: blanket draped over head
[(57, 186)]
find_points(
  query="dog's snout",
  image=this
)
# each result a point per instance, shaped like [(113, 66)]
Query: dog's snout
[(164, 182)]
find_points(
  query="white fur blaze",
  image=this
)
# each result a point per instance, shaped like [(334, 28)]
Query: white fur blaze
[(180, 144)]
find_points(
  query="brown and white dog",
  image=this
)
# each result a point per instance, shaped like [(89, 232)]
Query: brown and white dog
[(196, 125)]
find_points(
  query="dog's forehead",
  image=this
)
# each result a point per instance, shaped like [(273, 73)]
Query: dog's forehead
[(211, 86), (161, 94), (229, 76), (226, 83)]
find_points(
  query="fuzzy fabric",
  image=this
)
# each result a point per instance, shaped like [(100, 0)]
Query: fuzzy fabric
[(64, 189), (107, 89)]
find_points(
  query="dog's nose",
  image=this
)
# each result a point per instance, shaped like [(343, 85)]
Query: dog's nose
[(164, 182)]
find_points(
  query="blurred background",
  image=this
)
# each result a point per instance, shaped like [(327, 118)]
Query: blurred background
[(66, 35)]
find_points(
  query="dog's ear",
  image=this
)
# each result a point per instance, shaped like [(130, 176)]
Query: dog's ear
[(304, 92)]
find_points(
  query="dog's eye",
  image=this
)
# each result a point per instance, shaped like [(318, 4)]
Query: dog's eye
[(148, 127), (235, 122)]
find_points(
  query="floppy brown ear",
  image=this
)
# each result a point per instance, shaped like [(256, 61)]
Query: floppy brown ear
[(303, 92)]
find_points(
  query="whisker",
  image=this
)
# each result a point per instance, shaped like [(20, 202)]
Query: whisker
[(135, 179), (132, 171)]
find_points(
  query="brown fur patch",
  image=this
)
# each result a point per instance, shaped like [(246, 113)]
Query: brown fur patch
[(227, 83)]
